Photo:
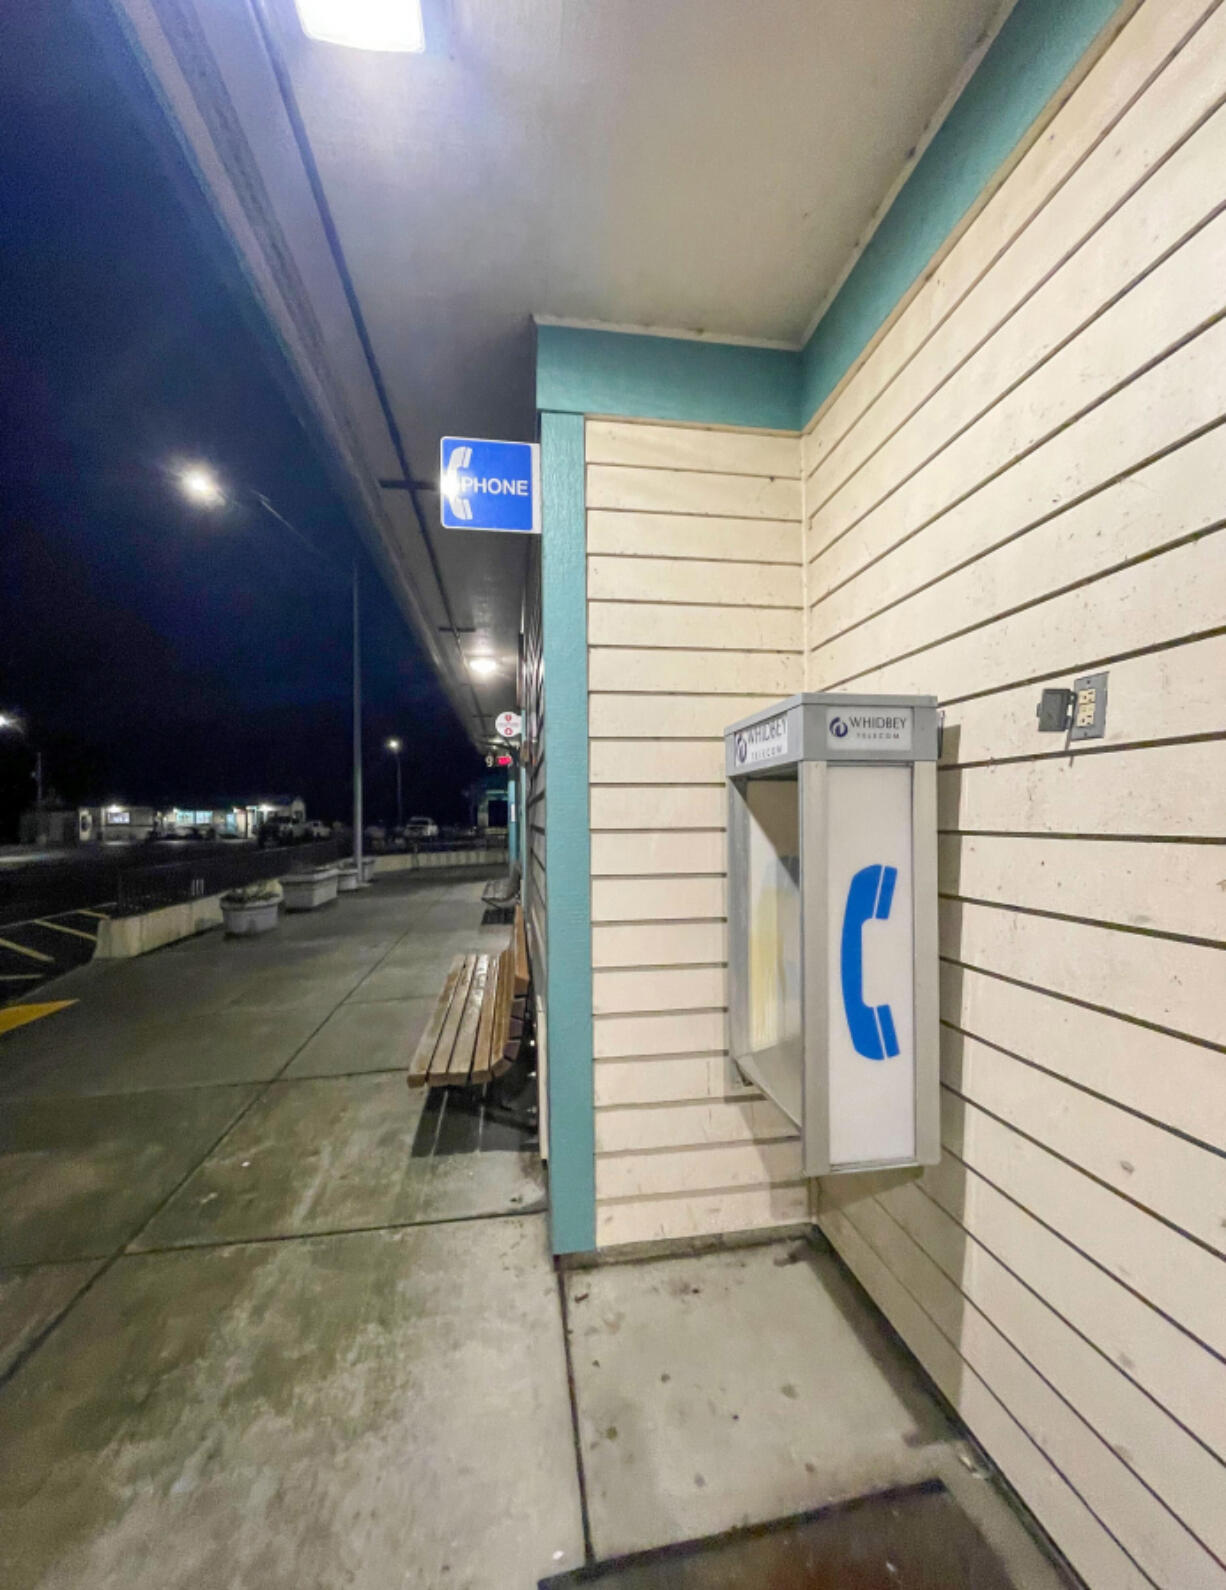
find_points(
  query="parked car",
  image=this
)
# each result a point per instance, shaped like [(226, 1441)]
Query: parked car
[(316, 828), (418, 828), (282, 831)]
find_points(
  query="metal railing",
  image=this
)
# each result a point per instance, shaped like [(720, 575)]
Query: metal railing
[(481, 839), (170, 883)]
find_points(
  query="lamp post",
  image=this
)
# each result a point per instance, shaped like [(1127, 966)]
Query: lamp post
[(200, 486), (396, 747), (9, 720)]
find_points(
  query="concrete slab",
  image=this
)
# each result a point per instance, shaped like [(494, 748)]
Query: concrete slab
[(378, 1035), (298, 986), (459, 1186), (325, 1155), (78, 1177), (384, 1409), (747, 1385), (333, 1154), (402, 981), (181, 1049), (31, 1299)]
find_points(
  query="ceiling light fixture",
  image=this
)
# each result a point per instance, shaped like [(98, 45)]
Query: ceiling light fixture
[(199, 485), (482, 666), (389, 25)]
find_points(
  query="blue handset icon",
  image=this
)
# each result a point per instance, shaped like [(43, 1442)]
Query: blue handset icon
[(869, 897)]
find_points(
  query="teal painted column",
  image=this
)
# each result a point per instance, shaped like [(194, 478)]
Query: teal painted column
[(568, 888), (521, 855)]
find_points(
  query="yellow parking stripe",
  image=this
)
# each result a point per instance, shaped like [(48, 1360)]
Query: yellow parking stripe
[(61, 927), (18, 1015), (24, 949), (81, 911)]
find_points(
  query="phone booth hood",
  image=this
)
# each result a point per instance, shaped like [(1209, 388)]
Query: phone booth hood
[(832, 923)]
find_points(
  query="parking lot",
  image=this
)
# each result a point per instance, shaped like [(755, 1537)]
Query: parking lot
[(33, 949)]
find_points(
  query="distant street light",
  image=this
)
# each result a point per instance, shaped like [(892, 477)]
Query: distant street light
[(9, 720), (395, 747), (200, 485)]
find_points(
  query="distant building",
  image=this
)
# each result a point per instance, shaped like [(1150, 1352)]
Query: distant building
[(117, 822), (47, 825)]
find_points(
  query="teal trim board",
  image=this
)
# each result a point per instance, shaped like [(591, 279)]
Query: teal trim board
[(1040, 44), (580, 371), (568, 847)]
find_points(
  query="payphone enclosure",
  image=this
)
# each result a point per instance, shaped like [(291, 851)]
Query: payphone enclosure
[(832, 923)]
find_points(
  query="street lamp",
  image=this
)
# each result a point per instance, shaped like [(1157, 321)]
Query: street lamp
[(9, 720), (200, 485), (395, 747)]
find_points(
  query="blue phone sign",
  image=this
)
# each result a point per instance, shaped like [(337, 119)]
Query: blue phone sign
[(486, 485)]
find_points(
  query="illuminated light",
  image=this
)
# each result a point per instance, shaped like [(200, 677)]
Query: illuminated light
[(200, 485), (6, 722), (394, 745), (482, 666), (389, 25)]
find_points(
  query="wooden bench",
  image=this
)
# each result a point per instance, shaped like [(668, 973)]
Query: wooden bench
[(503, 891), (476, 1028)]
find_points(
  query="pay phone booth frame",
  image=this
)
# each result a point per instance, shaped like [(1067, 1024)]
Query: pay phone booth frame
[(860, 1080)]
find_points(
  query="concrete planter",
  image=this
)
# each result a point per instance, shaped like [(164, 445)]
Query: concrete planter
[(414, 861), (250, 917), (347, 877), (307, 891), (119, 938)]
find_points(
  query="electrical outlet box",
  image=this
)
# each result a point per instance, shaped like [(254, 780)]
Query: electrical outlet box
[(1089, 707), (1053, 711)]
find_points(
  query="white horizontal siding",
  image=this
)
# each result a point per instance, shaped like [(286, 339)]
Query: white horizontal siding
[(735, 673), (1176, 1081), (695, 618), (653, 807), (686, 626), (642, 944), (1024, 481), (701, 1214), (686, 447), (667, 535), (665, 490)]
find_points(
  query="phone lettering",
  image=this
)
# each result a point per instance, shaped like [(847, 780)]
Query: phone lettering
[(868, 898)]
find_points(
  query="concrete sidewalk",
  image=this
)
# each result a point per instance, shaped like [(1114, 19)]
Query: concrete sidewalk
[(260, 1329)]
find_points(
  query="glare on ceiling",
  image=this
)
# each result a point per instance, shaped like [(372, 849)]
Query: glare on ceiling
[(482, 665), (365, 24)]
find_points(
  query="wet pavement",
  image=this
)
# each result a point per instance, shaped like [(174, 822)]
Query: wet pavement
[(270, 1321)]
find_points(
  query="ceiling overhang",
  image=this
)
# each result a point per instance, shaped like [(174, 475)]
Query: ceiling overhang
[(401, 219)]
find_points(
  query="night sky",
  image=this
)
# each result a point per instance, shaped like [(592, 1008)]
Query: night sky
[(159, 652)]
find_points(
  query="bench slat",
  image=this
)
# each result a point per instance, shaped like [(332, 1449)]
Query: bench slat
[(419, 1067), (446, 1043), (519, 940), (461, 1062), (485, 1031), (502, 1018)]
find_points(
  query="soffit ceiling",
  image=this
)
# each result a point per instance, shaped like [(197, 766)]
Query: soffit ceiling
[(706, 166)]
